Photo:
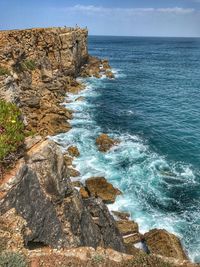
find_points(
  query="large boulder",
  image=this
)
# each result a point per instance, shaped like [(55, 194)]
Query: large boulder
[(99, 187), (161, 242), (104, 142)]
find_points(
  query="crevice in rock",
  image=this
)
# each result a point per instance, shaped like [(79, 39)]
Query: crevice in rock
[(31, 245)]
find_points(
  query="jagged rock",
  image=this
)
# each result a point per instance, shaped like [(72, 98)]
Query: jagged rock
[(48, 162), (104, 142), (73, 151), (54, 213), (109, 232), (84, 193), (165, 244), (35, 208), (73, 173), (130, 232), (68, 160), (127, 227), (121, 215), (99, 187)]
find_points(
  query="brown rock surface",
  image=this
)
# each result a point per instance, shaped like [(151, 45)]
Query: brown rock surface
[(99, 187), (121, 215), (73, 151), (104, 142), (165, 244), (73, 172), (84, 193), (127, 227), (42, 64), (96, 67), (130, 232)]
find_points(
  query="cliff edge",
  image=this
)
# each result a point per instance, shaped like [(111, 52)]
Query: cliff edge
[(45, 218)]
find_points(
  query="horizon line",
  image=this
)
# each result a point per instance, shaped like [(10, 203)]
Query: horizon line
[(142, 36)]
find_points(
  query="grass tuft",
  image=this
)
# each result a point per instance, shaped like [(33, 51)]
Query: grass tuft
[(4, 71), (29, 64)]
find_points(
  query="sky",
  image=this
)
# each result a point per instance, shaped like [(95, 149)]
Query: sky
[(106, 17)]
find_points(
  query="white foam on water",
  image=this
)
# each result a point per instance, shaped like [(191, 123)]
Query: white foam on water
[(145, 178)]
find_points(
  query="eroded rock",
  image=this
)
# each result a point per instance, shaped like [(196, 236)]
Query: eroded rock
[(99, 187), (110, 235), (165, 244)]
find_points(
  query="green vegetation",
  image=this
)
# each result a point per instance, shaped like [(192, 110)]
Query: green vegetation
[(4, 71), (28, 64), (11, 129), (97, 259), (12, 259)]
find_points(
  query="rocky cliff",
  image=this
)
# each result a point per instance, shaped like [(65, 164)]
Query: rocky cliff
[(43, 215)]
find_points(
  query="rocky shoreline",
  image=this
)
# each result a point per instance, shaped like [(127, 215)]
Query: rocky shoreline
[(43, 214)]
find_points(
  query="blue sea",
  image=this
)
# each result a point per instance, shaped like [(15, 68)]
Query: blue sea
[(153, 107)]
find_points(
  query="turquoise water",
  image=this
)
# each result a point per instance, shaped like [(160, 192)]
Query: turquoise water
[(153, 107)]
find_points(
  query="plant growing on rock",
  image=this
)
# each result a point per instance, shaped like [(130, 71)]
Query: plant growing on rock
[(11, 129), (28, 64), (97, 259), (4, 71)]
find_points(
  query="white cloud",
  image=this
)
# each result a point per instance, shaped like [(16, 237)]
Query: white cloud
[(90, 9)]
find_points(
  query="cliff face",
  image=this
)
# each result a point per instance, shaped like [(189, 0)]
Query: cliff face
[(40, 66), (54, 49)]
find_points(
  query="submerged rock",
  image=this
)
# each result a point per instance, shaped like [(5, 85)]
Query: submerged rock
[(104, 142), (99, 187), (163, 243)]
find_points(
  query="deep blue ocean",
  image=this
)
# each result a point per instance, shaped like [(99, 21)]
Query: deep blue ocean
[(153, 107)]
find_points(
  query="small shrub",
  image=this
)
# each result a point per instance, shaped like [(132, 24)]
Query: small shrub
[(4, 71), (11, 129), (12, 259), (28, 64), (97, 259)]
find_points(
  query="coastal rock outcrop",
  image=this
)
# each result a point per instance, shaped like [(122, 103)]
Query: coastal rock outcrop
[(165, 244), (41, 65), (43, 214), (99, 187), (73, 151), (96, 67), (104, 142), (52, 210)]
